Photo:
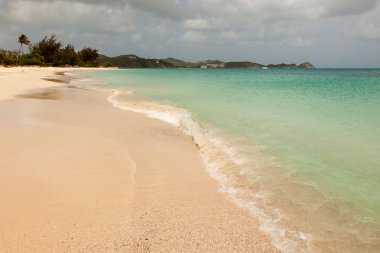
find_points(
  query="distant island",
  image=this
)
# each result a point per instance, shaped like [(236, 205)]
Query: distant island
[(51, 52), (133, 61)]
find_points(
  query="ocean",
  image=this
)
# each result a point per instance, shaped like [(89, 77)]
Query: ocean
[(300, 149)]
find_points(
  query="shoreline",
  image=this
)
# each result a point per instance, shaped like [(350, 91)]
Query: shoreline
[(299, 216), (18, 80), (120, 200)]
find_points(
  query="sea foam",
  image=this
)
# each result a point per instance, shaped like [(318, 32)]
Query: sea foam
[(297, 149), (220, 157)]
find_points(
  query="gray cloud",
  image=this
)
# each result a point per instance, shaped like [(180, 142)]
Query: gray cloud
[(351, 7), (162, 8), (258, 30)]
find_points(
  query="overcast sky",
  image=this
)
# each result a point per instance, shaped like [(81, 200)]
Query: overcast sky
[(328, 33)]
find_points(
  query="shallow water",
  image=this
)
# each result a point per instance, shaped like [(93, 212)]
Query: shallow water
[(299, 148)]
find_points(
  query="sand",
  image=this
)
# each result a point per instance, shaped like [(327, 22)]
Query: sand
[(79, 175), (15, 81)]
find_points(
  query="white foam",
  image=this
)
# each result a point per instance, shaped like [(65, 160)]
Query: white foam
[(164, 113), (68, 73), (216, 153)]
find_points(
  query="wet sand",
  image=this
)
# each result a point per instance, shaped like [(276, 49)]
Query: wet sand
[(79, 175)]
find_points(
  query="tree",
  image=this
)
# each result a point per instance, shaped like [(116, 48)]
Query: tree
[(88, 56), (23, 40), (68, 56), (49, 49), (49, 52)]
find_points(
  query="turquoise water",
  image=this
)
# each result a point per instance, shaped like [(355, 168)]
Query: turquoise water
[(302, 146)]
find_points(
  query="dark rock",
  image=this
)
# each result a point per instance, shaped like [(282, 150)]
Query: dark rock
[(306, 65)]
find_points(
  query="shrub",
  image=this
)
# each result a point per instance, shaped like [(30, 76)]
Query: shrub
[(108, 65), (32, 59), (9, 59)]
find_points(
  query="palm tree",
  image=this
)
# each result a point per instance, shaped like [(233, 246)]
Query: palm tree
[(23, 40)]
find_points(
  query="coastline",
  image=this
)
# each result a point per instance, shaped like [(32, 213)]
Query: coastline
[(17, 80), (57, 197), (300, 214)]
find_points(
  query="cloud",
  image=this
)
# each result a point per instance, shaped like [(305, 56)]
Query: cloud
[(273, 10), (367, 27), (162, 8), (349, 7), (244, 29), (191, 36), (206, 24), (136, 37), (78, 16), (293, 21)]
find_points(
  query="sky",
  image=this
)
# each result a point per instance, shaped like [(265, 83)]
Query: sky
[(328, 33)]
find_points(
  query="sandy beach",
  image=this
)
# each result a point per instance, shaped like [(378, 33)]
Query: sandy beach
[(79, 175)]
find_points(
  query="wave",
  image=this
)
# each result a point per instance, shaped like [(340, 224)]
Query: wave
[(224, 161), (297, 214)]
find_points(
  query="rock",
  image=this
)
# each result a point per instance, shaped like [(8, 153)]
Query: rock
[(306, 65)]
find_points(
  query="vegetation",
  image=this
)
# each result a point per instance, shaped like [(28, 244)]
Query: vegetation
[(133, 61), (68, 56), (8, 58), (88, 57), (49, 52), (48, 48), (108, 64), (240, 64), (32, 59), (23, 40), (212, 64), (182, 64), (282, 66), (244, 64)]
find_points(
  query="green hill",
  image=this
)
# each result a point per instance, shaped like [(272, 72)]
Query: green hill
[(182, 64), (133, 61), (243, 64)]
